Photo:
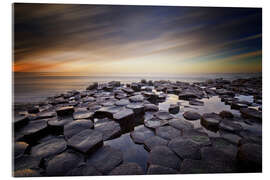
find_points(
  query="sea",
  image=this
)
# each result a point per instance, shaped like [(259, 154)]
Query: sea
[(36, 87)]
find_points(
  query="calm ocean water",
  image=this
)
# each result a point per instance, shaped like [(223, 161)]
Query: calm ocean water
[(33, 87)]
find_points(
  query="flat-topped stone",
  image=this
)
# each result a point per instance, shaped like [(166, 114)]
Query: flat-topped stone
[(62, 164), (250, 157), (65, 111), (138, 109), (226, 114), (127, 169), (122, 102), (136, 98), (168, 132), (82, 115), (230, 126), (155, 123), (150, 108), (163, 156), (107, 111), (163, 115), (140, 135), (86, 141), (20, 148), (181, 124), (185, 148), (109, 129), (154, 141), (124, 115), (49, 148), (77, 126), (105, 159), (84, 170), (157, 169), (174, 108), (251, 113), (198, 137), (34, 129), (191, 115)]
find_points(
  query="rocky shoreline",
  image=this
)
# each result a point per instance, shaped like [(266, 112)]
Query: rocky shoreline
[(69, 134)]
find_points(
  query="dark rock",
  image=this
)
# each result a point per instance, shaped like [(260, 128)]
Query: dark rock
[(63, 163), (198, 137), (127, 169), (155, 123), (156, 169), (150, 107), (154, 141), (109, 129), (181, 124), (105, 159), (251, 113), (20, 149), (226, 114), (49, 148), (20, 121), (92, 86), (196, 102), (33, 110), (137, 98), (26, 162), (191, 166), (88, 99), (232, 138), (65, 111), (191, 115), (237, 105), (230, 126), (124, 115), (86, 141), (168, 132), (128, 90), (34, 130), (187, 96), (163, 156), (122, 102), (83, 115), (137, 109), (185, 148), (210, 120), (163, 115), (140, 135), (250, 157), (84, 170), (57, 125), (107, 112), (77, 126), (174, 108)]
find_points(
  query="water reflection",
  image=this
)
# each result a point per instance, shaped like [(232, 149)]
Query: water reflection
[(132, 152)]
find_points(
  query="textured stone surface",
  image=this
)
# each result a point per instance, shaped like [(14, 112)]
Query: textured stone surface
[(154, 141), (109, 129), (77, 126), (168, 132), (105, 159), (156, 169), (191, 115), (157, 155), (127, 169), (86, 141)]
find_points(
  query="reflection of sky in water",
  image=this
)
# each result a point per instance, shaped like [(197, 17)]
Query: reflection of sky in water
[(245, 98), (132, 152)]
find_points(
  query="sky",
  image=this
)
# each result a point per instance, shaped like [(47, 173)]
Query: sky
[(111, 39)]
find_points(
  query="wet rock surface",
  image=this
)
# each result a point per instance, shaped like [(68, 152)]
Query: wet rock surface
[(147, 127)]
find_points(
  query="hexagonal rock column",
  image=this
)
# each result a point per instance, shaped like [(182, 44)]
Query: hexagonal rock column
[(185, 148), (163, 156), (109, 129), (63, 163), (49, 148), (191, 115), (77, 126), (168, 132), (105, 159), (86, 141), (65, 111), (127, 169)]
